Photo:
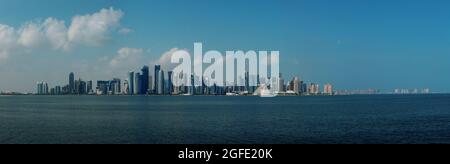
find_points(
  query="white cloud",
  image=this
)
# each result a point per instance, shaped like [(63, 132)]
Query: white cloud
[(94, 29), (8, 40), (89, 30), (56, 33), (126, 58), (30, 35), (125, 31), (165, 59)]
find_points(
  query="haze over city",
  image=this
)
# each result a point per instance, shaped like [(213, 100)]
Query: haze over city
[(387, 45)]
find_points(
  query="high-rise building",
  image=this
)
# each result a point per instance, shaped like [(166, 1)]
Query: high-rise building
[(192, 87), (170, 83), (115, 88), (42, 88), (102, 87), (156, 75), (80, 87), (89, 87), (45, 88), (137, 83), (277, 83), (126, 87), (131, 83), (39, 88), (150, 84), (328, 89), (160, 83), (71, 83), (247, 81), (296, 85), (145, 79), (58, 90), (314, 89), (304, 87)]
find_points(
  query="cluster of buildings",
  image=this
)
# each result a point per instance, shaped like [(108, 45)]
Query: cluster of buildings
[(412, 91), (75, 87), (161, 83)]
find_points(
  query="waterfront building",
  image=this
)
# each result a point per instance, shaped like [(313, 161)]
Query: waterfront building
[(150, 85), (314, 89), (296, 85), (131, 83), (156, 80), (137, 83), (145, 80), (126, 87), (160, 83), (169, 82), (328, 89), (89, 87), (71, 83), (115, 88), (80, 87)]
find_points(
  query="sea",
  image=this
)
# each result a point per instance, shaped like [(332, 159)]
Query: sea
[(356, 119)]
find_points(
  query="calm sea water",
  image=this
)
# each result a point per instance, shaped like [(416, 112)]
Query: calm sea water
[(198, 120)]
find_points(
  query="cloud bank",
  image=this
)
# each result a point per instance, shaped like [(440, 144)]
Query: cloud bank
[(86, 30)]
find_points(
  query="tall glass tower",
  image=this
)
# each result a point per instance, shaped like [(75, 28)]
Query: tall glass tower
[(71, 83), (156, 78), (137, 83), (170, 83), (131, 83), (144, 79)]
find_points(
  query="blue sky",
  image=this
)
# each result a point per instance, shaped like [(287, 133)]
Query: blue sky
[(353, 44)]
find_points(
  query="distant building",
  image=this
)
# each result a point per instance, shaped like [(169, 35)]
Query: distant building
[(126, 88), (328, 89), (131, 83), (90, 87), (314, 89), (115, 87), (294, 86), (150, 84), (71, 83), (137, 83), (170, 82), (145, 80), (160, 83), (102, 87), (80, 87), (156, 78)]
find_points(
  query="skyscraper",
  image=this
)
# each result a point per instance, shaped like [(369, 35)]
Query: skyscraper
[(170, 87), (102, 87), (115, 86), (296, 85), (71, 83), (192, 87), (126, 87), (247, 81), (131, 83), (150, 84), (328, 89), (80, 87), (156, 79), (137, 83), (39, 88), (45, 88), (144, 79), (160, 82), (89, 87)]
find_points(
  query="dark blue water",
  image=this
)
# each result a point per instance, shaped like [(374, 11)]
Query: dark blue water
[(198, 120)]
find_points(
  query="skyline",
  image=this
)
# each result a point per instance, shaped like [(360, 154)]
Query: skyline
[(157, 84), (382, 46)]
